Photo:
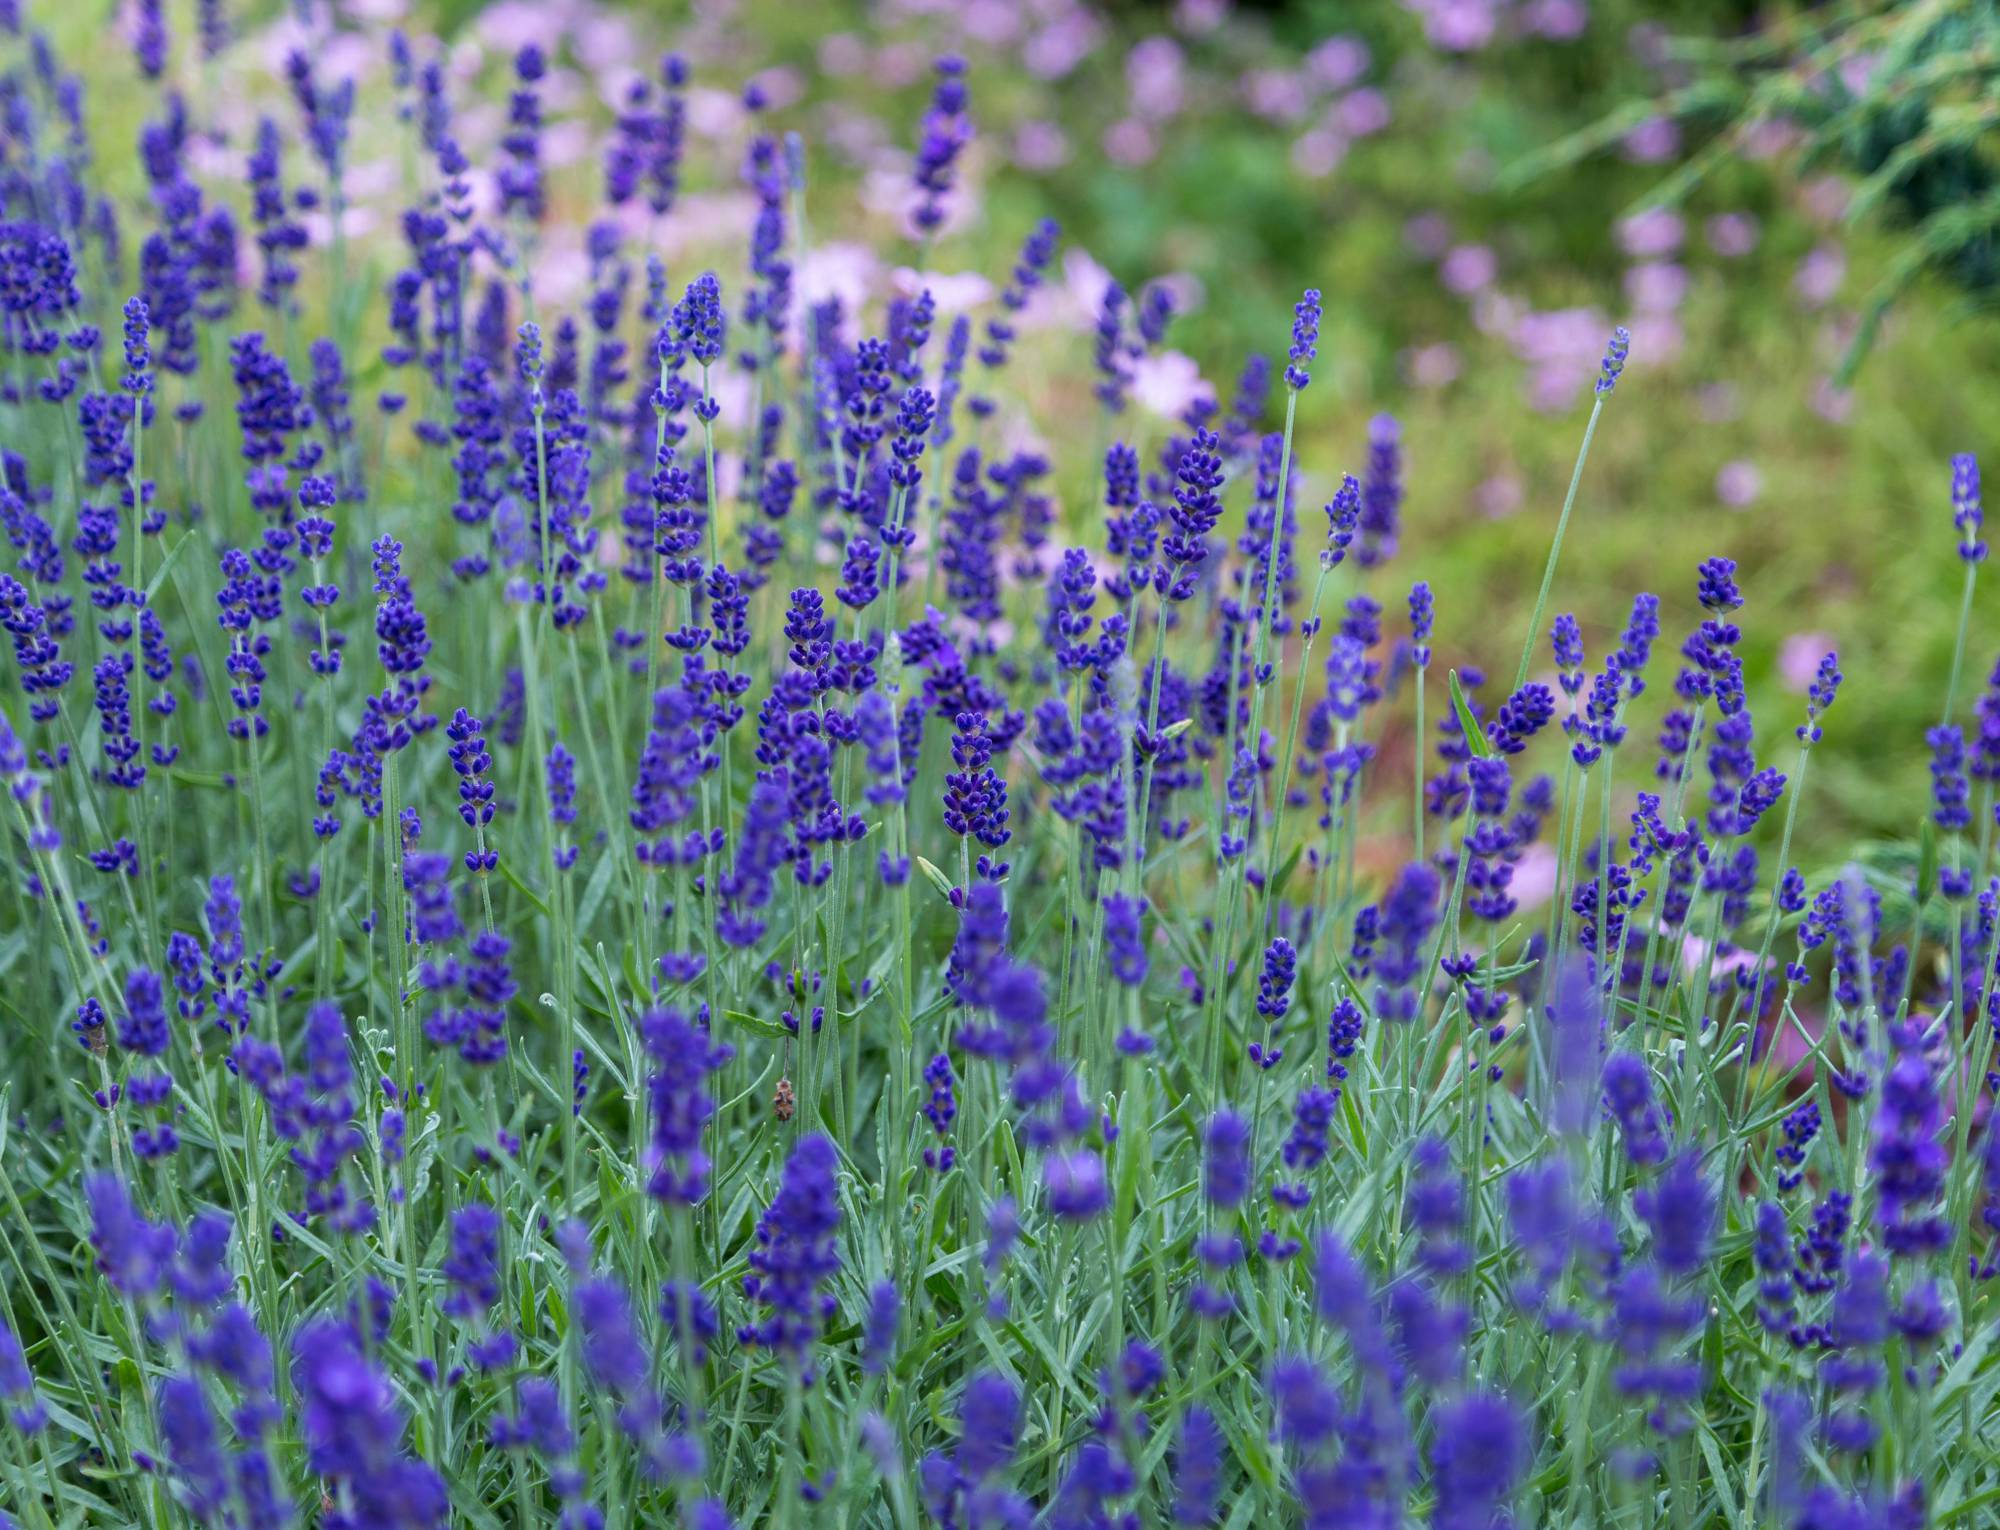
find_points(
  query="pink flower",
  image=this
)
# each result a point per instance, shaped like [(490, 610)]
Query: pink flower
[(1431, 366), (1063, 44), (1427, 235), (1153, 74), (562, 91), (1496, 313), (887, 189), (715, 114), (1719, 402), (566, 143), (1198, 18), (602, 42), (1655, 139), (479, 125), (1825, 197), (837, 270), (781, 86), (1458, 26), (1768, 138), (1338, 62), (213, 160), (347, 56), (1792, 1052), (1799, 656), (1166, 383), (1656, 338), (1738, 484), (1563, 347), (1039, 146), (1318, 152), (842, 54), (1651, 234), (1832, 404), (1819, 275), (1736, 959), (1557, 20), (1534, 876), (1185, 288), (899, 64), (512, 24), (993, 22), (1499, 496), (355, 223), (561, 271), (373, 180), (608, 550), (1075, 301), (280, 40), (1656, 286), (1362, 113), (952, 291), (1468, 268), (1129, 142), (1732, 235), (1277, 94)]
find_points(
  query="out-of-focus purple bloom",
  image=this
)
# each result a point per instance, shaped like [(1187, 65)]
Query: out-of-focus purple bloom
[(795, 1255), (1075, 1184), (17, 1384), (680, 1105), (1124, 939), (878, 1332), (1679, 1209), (946, 130), (149, 37), (1628, 1096), (1381, 493), (132, 1253), (1110, 352), (1198, 1458), (1476, 1458), (1408, 916), (353, 1430), (1226, 1159), (520, 178), (1906, 1154)]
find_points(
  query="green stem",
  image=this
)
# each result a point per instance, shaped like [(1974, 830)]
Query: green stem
[(1555, 547), (1958, 645)]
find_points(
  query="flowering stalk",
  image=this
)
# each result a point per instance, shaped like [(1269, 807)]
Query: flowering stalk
[(1614, 364)]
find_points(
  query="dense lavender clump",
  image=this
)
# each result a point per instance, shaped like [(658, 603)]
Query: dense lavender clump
[(800, 954)]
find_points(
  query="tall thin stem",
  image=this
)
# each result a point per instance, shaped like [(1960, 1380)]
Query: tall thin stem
[(1555, 546)]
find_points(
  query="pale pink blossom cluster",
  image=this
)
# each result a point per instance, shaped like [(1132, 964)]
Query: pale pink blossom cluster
[(1468, 26)]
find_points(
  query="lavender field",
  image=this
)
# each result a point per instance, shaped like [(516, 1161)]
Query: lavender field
[(748, 784)]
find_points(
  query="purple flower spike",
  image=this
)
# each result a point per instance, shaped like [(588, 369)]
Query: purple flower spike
[(1966, 512), (1305, 339), (1614, 360), (796, 1254), (947, 129)]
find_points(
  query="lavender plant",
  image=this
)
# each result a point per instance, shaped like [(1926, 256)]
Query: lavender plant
[(644, 1042)]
